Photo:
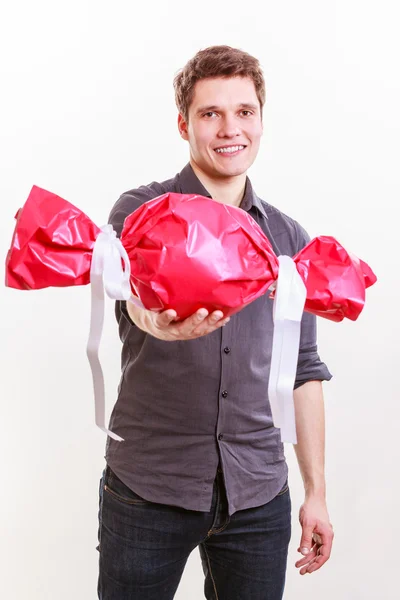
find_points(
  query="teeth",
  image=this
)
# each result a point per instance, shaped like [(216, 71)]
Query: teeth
[(230, 149)]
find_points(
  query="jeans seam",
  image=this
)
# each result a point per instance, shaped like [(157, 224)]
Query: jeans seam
[(101, 509), (210, 571), (216, 512), (107, 487), (213, 531), (129, 501)]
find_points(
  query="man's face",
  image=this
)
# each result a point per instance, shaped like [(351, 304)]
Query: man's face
[(225, 126)]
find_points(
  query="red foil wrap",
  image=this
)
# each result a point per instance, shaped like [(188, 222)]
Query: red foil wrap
[(186, 252)]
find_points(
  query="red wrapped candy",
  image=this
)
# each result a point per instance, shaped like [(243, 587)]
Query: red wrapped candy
[(186, 252)]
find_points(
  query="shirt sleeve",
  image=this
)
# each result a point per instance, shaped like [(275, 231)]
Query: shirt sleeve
[(125, 205), (131, 200), (309, 367)]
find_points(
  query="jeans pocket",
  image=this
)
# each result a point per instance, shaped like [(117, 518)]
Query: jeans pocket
[(115, 488)]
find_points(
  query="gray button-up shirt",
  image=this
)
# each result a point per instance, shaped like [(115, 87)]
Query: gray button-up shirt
[(184, 406)]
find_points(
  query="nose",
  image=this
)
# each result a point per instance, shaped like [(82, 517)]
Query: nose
[(229, 127)]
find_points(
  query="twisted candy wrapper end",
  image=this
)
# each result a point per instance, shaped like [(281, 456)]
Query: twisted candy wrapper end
[(52, 244), (336, 280), (56, 244)]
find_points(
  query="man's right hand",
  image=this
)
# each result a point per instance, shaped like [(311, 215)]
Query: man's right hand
[(164, 327)]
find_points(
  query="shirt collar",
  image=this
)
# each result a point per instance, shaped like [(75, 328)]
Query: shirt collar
[(189, 183)]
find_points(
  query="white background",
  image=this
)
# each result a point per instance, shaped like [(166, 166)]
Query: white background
[(87, 111)]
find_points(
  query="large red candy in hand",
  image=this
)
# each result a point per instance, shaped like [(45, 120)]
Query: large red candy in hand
[(186, 252)]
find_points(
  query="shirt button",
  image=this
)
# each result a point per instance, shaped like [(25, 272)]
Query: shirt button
[(220, 436), (227, 350), (224, 394)]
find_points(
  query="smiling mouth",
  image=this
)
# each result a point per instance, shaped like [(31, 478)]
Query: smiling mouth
[(229, 149)]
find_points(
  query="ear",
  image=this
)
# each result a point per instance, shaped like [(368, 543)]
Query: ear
[(182, 126)]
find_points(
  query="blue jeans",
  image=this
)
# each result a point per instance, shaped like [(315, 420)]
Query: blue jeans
[(144, 546)]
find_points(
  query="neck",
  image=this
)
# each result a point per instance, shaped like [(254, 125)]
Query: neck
[(228, 190)]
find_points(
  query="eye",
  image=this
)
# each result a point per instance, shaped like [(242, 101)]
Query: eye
[(209, 113), (248, 113)]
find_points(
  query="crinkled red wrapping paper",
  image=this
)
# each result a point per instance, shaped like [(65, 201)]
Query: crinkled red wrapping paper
[(186, 252), (52, 244)]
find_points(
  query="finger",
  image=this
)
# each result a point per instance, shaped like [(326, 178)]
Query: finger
[(314, 544), (316, 564), (305, 570), (165, 318), (215, 316), (193, 322), (325, 540), (210, 323), (306, 541), (323, 553), (223, 322), (317, 539), (306, 559), (324, 550), (307, 564), (192, 325), (205, 331)]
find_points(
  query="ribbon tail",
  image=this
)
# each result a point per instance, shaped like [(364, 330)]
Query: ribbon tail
[(288, 309), (92, 351), (285, 350)]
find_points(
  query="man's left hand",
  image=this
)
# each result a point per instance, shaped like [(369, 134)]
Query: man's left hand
[(317, 535)]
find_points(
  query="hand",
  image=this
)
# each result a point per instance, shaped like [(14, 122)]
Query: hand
[(317, 537), (164, 326)]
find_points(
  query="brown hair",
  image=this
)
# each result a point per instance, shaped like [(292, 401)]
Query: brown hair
[(216, 61)]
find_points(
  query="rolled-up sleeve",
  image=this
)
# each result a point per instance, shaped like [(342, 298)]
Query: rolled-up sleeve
[(309, 367)]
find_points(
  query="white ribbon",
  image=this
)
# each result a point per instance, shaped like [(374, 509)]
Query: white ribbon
[(290, 297), (106, 272)]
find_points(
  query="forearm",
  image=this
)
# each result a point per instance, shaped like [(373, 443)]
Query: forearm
[(310, 426)]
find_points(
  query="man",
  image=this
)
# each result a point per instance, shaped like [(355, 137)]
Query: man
[(202, 464)]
